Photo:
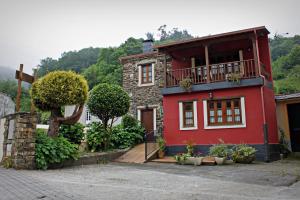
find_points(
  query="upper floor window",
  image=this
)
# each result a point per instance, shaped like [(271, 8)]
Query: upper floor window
[(224, 113), (188, 115), (146, 74)]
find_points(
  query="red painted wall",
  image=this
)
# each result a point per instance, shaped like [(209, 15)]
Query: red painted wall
[(252, 134), (270, 110)]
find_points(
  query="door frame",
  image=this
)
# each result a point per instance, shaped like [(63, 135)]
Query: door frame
[(140, 108), (288, 121)]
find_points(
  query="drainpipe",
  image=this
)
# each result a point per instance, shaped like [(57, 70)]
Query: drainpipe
[(265, 125)]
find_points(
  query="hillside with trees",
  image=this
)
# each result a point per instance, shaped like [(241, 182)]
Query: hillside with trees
[(285, 53)]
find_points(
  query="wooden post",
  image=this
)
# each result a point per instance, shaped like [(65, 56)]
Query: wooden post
[(255, 56), (18, 100), (207, 64), (165, 71)]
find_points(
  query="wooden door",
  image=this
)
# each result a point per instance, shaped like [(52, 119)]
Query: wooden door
[(294, 123), (147, 119)]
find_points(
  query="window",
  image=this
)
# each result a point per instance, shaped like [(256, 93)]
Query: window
[(188, 115), (146, 74), (88, 117), (224, 113)]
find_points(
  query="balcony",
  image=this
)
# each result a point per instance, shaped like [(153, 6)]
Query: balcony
[(245, 69)]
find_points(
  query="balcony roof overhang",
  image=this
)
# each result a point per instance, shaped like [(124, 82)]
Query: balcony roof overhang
[(235, 35)]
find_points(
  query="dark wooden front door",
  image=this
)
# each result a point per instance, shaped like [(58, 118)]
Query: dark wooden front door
[(147, 119), (294, 123)]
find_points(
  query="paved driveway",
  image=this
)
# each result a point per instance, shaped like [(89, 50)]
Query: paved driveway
[(155, 181)]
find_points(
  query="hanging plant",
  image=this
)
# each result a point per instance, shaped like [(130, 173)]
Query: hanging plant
[(186, 84), (234, 77)]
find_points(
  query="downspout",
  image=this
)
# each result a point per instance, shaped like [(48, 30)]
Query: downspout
[(265, 125)]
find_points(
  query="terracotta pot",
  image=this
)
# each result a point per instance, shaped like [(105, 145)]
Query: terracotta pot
[(161, 154)]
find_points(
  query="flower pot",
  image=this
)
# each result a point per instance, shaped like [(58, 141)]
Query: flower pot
[(220, 160), (189, 161), (245, 159), (161, 154), (198, 161)]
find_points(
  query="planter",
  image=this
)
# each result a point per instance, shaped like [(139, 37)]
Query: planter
[(161, 154), (189, 161), (220, 160), (244, 159), (208, 160)]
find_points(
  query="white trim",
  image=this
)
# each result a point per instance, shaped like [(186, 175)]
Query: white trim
[(154, 119), (181, 127), (243, 125), (140, 75)]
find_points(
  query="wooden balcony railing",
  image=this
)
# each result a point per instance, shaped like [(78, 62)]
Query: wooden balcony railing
[(217, 72)]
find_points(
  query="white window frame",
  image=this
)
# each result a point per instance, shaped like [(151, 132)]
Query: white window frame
[(181, 124), (243, 114), (140, 84), (139, 114), (88, 117)]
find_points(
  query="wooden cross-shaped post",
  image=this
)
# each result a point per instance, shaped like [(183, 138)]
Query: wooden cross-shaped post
[(26, 78)]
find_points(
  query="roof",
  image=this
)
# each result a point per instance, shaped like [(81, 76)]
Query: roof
[(209, 37), (287, 97), (141, 55)]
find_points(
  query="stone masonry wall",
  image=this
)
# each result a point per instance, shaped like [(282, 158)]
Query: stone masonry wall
[(141, 96), (19, 139)]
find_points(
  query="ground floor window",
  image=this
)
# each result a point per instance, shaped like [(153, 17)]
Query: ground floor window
[(229, 112), (188, 115)]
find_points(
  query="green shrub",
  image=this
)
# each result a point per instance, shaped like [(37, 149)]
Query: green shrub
[(161, 143), (96, 136), (243, 153), (129, 121), (126, 137), (74, 133), (53, 150), (220, 150)]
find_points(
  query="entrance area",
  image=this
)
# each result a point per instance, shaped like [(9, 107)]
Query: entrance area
[(294, 125), (147, 119)]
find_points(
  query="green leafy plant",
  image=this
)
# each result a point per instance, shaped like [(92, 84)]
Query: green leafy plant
[(186, 84), (53, 150), (7, 162), (129, 121), (126, 137), (96, 136), (74, 133), (190, 148), (243, 153), (234, 77), (55, 90), (161, 143), (108, 102), (220, 150)]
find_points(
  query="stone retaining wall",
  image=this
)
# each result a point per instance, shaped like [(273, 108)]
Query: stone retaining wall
[(19, 131)]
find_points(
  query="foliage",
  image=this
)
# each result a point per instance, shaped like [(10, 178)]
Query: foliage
[(73, 133), (190, 148), (234, 77), (161, 143), (73, 60), (220, 150), (129, 121), (96, 136), (186, 84), (126, 137), (286, 63), (43, 116), (181, 157), (7, 162), (53, 150), (58, 89), (243, 153), (10, 88), (170, 36), (108, 102), (283, 143)]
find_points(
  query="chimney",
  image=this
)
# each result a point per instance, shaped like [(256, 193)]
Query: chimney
[(147, 46)]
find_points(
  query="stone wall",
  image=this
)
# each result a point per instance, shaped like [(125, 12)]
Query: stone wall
[(7, 106), (19, 131), (145, 96)]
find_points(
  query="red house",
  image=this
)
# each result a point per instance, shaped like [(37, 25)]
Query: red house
[(231, 95)]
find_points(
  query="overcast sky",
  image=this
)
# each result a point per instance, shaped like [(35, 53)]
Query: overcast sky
[(34, 29)]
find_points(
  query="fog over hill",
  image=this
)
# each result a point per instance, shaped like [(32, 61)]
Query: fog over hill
[(6, 73)]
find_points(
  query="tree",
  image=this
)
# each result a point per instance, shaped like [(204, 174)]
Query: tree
[(57, 89), (108, 102)]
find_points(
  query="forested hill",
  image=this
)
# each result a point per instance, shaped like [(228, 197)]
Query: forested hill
[(6, 73), (100, 65)]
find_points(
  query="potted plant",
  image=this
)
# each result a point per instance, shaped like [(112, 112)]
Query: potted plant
[(181, 158), (243, 154), (220, 152), (186, 84), (162, 146), (234, 77)]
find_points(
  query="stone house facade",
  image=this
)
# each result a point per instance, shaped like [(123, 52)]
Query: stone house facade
[(142, 80)]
